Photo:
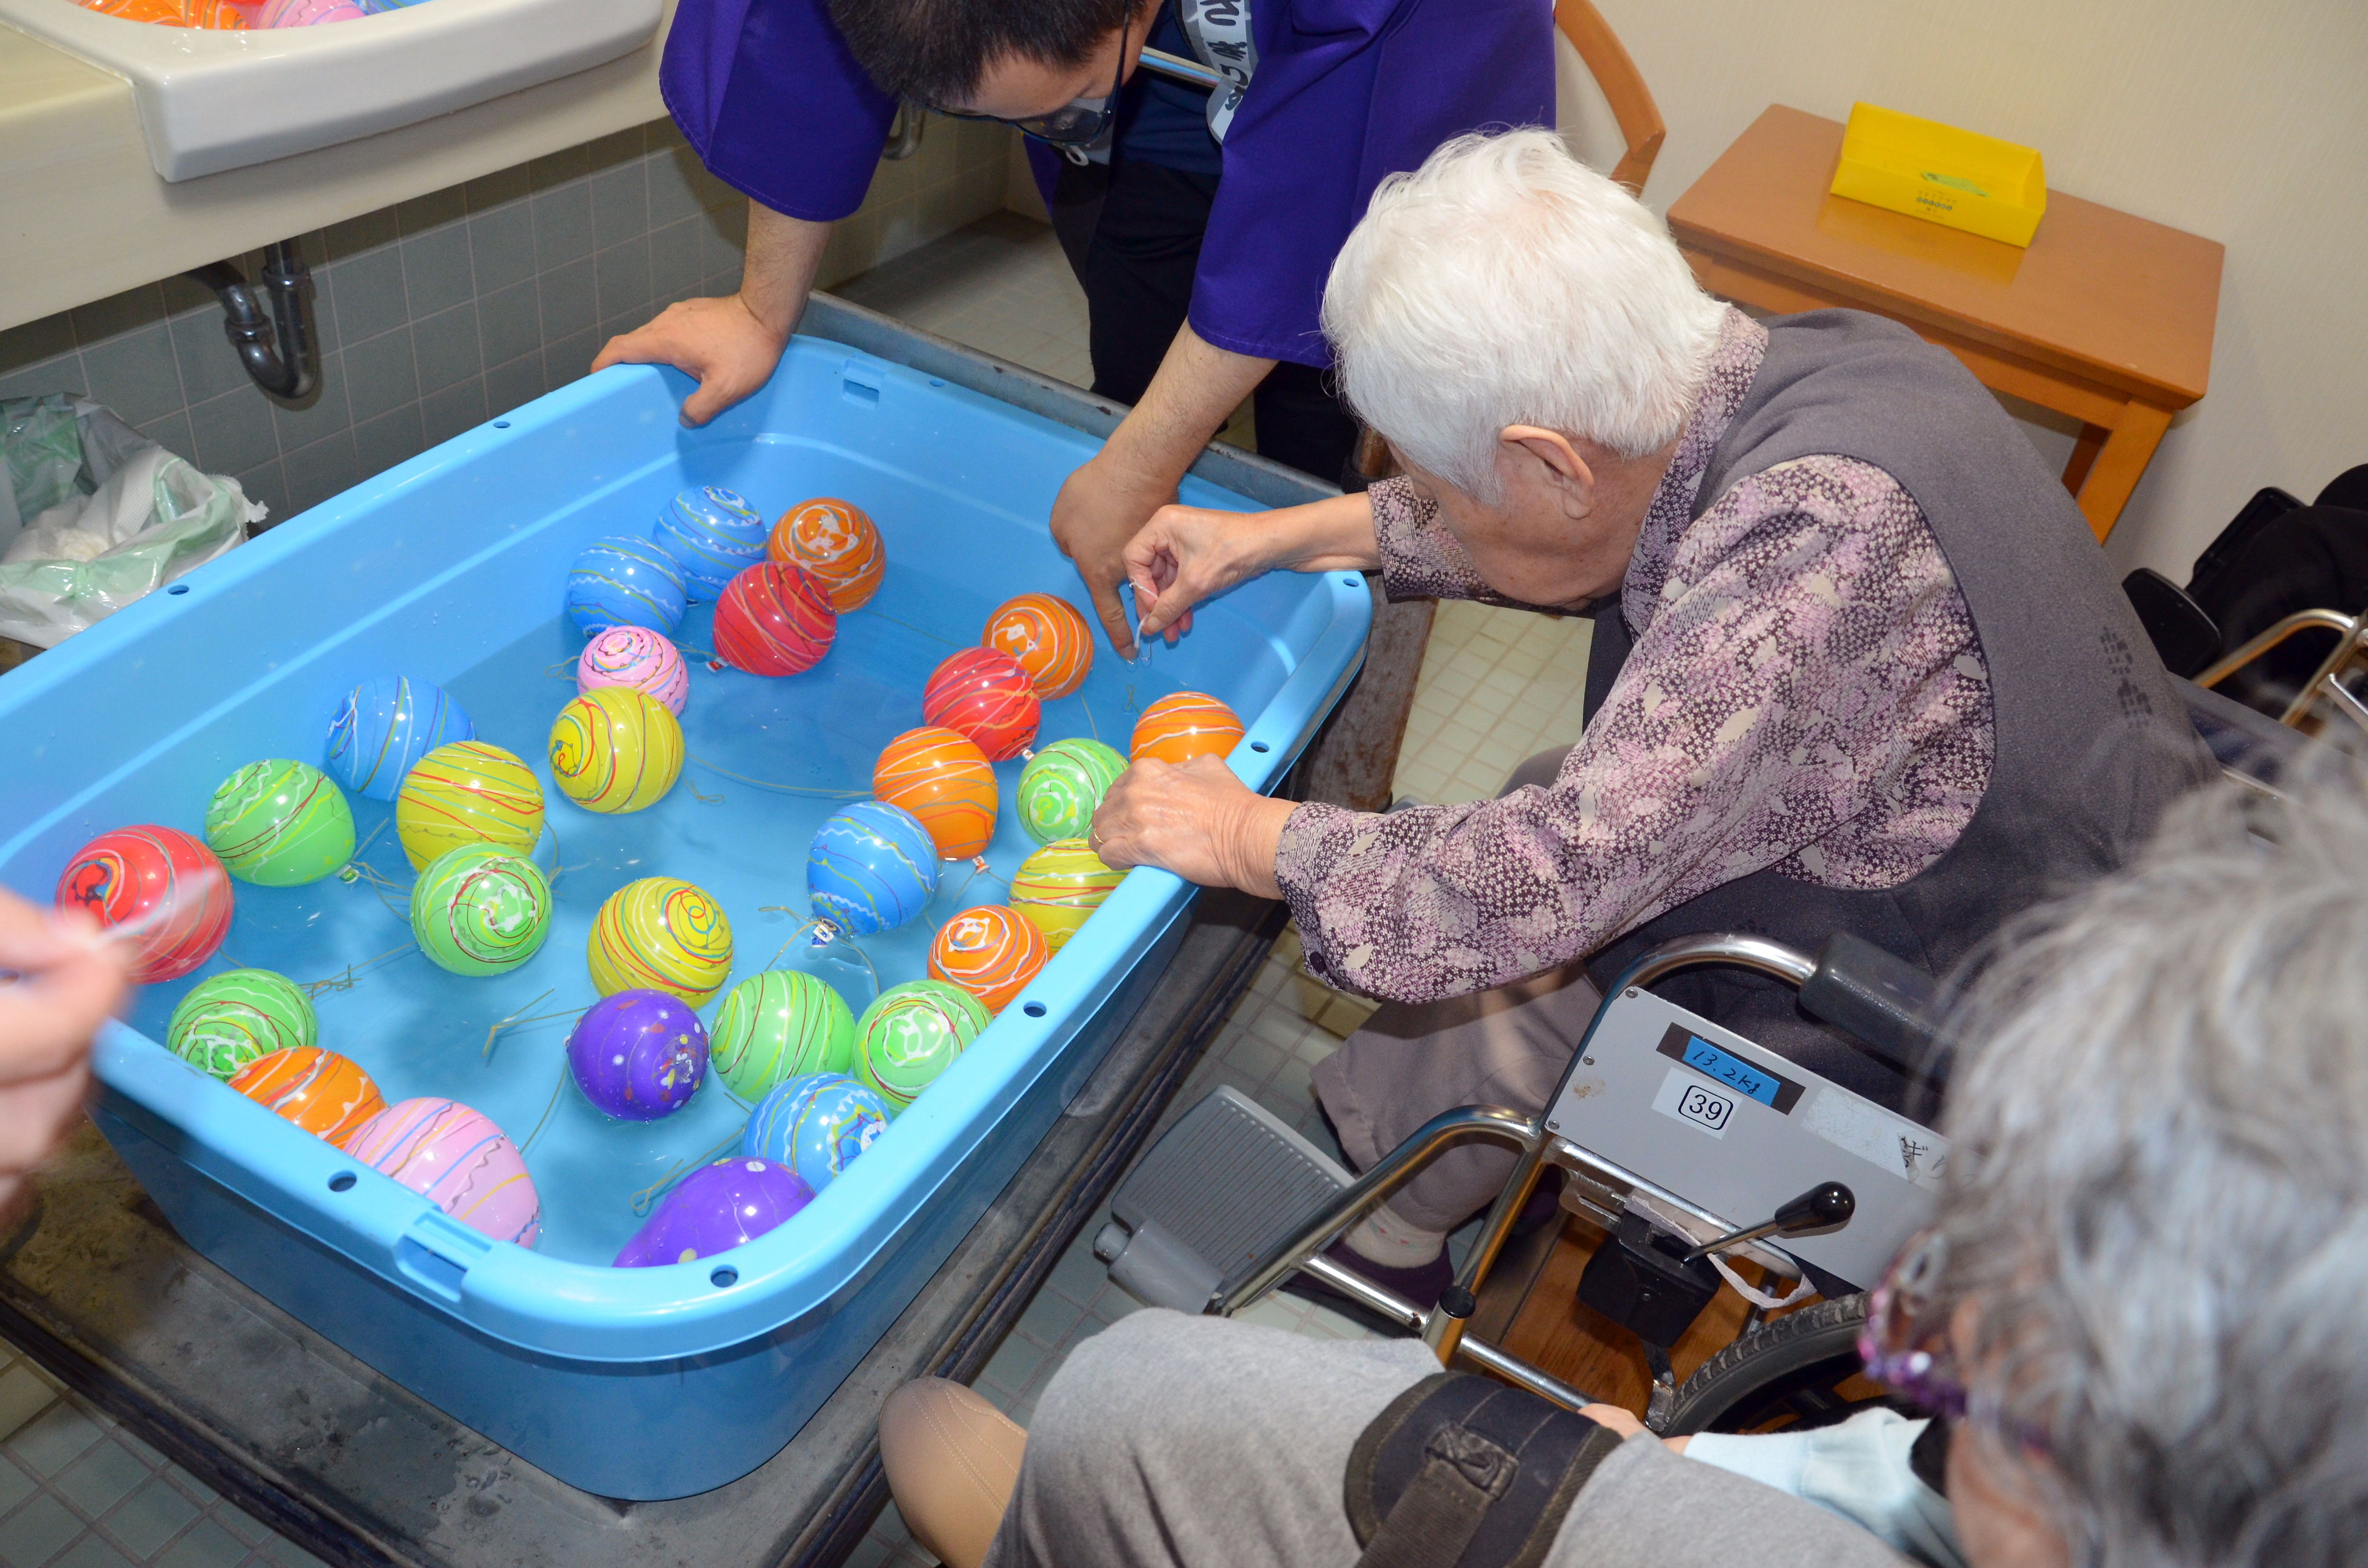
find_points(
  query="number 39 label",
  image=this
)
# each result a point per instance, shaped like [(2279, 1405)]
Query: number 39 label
[(1685, 1097)]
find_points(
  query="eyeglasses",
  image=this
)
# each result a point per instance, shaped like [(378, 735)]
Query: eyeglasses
[(1909, 1353), (1078, 124)]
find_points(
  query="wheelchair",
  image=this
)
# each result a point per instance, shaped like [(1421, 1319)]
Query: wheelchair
[(1688, 1142)]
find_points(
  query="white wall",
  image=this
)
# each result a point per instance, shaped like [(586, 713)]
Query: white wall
[(2244, 122)]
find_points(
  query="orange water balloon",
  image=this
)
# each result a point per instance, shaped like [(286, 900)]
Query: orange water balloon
[(1186, 724), (320, 1091), (991, 951), (942, 776), (1048, 637), (837, 543)]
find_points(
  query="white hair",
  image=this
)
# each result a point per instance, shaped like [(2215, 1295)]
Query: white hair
[(2158, 1196), (1504, 282)]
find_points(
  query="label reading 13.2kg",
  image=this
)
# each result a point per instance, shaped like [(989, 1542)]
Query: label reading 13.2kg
[(1686, 1098)]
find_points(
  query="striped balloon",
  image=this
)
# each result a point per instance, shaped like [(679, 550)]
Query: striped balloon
[(774, 620), (320, 1091), (912, 1034), (1059, 886), (637, 657), (387, 725), (1186, 724), (1062, 785), (992, 952), (480, 910), (466, 793), (162, 877), (230, 1020), (659, 933), (625, 581), (985, 694), (458, 1160), (816, 1125), (870, 868), (279, 824), (835, 540), (943, 779), (780, 1024), (614, 749), (712, 536), (1048, 637)]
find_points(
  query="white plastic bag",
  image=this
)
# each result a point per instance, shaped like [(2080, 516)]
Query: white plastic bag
[(95, 515)]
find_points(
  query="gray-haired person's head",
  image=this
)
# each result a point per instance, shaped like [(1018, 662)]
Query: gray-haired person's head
[(2157, 1220), (1505, 283)]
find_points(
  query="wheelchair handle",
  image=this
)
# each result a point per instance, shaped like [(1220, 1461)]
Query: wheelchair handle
[(1885, 1003)]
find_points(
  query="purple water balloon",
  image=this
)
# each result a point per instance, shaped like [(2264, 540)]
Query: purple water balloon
[(714, 1209), (638, 1054)]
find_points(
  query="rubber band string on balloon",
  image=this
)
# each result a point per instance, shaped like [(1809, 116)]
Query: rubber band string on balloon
[(648, 1196), (824, 933)]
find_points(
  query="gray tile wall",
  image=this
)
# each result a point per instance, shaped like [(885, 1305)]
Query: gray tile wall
[(437, 315)]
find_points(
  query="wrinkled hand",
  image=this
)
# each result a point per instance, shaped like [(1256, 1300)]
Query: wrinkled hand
[(1187, 554), (1101, 507), (70, 984), (1198, 820), (721, 342)]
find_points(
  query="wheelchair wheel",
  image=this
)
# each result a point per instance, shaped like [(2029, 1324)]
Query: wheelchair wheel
[(1793, 1372)]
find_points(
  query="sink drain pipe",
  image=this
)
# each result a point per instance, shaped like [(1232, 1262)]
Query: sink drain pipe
[(282, 364)]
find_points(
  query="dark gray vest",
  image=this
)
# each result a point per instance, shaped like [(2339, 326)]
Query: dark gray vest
[(2092, 741)]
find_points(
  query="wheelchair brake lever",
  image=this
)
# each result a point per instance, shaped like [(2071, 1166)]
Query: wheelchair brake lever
[(1825, 1206)]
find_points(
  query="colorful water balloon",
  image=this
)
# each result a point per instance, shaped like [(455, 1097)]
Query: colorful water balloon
[(230, 1020), (638, 657), (385, 726), (458, 1160), (779, 1024), (941, 778), (614, 749), (659, 933), (984, 693), (279, 824), (714, 1209), (1062, 785), (320, 1091), (712, 536), (815, 1125), (990, 951), (625, 581), (837, 542), (638, 1055), (1046, 636), (1059, 886), (466, 793), (158, 880), (1183, 725), (871, 867), (911, 1034), (480, 910), (774, 620)]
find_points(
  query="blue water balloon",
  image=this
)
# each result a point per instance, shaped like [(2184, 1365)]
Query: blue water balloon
[(624, 581), (712, 534), (814, 1125), (872, 868), (383, 726)]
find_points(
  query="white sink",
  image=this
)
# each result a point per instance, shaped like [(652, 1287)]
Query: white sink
[(212, 100)]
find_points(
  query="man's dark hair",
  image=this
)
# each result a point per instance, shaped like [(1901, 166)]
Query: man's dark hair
[(937, 50)]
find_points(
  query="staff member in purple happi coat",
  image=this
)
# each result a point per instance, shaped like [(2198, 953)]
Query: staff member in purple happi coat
[(1202, 223)]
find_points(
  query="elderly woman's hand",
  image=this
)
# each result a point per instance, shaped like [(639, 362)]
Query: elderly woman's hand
[(1198, 820), (68, 983), (1187, 554)]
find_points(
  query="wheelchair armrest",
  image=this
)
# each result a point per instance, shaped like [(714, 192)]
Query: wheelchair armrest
[(1886, 1002)]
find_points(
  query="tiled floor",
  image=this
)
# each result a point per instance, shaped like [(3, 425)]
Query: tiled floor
[(1496, 686), (79, 1492), (76, 1491)]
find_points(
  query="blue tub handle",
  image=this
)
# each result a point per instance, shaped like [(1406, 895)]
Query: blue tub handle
[(436, 1252)]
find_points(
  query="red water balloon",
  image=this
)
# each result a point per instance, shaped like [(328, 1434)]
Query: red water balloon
[(164, 885), (984, 693), (774, 620)]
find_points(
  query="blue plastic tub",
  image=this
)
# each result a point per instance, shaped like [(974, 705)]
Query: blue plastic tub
[(633, 1384)]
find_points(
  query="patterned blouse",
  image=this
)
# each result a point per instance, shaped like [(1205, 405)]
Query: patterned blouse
[(1805, 692)]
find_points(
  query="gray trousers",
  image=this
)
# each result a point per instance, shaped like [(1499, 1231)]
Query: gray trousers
[(1201, 1443), (1506, 1047)]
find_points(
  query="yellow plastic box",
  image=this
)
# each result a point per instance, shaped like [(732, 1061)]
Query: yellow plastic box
[(1934, 171)]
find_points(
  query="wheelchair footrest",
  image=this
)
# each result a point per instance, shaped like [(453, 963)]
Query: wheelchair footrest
[(1216, 1188)]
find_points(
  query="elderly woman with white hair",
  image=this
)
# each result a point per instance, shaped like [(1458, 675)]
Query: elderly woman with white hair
[(2135, 1320), (1857, 662)]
